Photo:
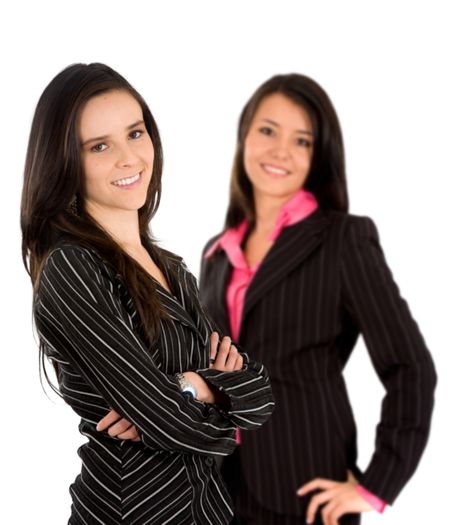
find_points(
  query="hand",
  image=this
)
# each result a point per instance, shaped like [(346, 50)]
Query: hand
[(119, 427), (338, 498), (224, 357)]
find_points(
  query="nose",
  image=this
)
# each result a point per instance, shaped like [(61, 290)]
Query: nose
[(280, 148), (126, 156)]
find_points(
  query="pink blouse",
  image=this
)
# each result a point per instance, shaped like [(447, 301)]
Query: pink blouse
[(298, 208), (295, 210)]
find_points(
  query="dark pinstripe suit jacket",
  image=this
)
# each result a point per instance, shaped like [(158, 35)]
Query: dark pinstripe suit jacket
[(323, 283), (88, 323)]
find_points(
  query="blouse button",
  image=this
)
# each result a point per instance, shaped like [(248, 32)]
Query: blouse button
[(209, 461)]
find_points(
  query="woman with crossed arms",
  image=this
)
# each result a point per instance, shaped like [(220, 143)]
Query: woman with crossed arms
[(120, 318)]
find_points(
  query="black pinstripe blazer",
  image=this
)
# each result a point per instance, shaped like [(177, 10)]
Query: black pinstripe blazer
[(89, 325), (323, 283)]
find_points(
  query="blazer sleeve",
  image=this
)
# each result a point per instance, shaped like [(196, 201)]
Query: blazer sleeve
[(399, 356), (79, 314), (248, 390)]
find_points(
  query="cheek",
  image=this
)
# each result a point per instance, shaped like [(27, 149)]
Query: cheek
[(148, 152), (248, 164), (303, 161), (94, 175), (252, 152)]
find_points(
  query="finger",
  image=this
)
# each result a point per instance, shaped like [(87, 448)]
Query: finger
[(119, 428), (213, 342), (111, 417), (331, 513), (130, 434), (318, 483), (233, 354), (222, 354), (239, 363), (317, 501)]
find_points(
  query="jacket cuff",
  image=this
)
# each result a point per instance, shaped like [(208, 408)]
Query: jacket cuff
[(241, 389)]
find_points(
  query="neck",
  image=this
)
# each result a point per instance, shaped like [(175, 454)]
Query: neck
[(267, 208), (122, 225)]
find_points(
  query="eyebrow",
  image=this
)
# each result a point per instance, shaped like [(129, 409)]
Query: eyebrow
[(103, 137), (304, 131)]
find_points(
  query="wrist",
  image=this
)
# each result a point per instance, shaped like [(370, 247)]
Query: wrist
[(186, 387), (204, 392), (374, 501)]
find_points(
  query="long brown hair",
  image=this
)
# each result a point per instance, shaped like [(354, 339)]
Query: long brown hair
[(326, 178), (53, 185)]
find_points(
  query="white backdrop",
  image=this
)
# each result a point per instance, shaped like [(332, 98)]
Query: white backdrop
[(384, 65)]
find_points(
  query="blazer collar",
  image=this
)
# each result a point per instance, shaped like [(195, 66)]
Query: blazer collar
[(293, 245), (178, 304)]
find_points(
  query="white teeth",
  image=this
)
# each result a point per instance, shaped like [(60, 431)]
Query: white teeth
[(274, 170), (126, 182)]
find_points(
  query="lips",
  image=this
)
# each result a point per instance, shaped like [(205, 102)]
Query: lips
[(127, 181), (275, 171)]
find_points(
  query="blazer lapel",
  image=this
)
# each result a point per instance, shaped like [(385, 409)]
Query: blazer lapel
[(175, 309), (178, 306), (293, 245), (216, 286)]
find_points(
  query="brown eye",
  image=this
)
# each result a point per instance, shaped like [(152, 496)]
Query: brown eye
[(304, 142), (98, 148), (265, 130), (136, 134)]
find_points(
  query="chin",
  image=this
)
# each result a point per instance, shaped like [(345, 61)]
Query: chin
[(275, 190), (134, 202)]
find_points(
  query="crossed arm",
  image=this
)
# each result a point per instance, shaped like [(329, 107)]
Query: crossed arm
[(79, 314), (224, 357)]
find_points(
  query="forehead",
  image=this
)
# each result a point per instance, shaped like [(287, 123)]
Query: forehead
[(283, 110), (108, 113)]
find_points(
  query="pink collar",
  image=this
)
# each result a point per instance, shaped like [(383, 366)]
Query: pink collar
[(302, 204)]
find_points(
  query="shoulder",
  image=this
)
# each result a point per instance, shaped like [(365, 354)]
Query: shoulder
[(169, 257), (70, 251), (73, 254), (346, 219), (357, 240), (177, 267), (75, 276), (71, 261), (348, 225), (211, 241)]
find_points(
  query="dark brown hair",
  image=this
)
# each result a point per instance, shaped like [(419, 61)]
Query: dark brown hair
[(54, 178), (326, 178)]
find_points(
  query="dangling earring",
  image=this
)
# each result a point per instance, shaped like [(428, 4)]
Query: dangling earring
[(73, 206)]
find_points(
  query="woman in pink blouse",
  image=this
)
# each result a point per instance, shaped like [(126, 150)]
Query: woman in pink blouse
[(295, 279)]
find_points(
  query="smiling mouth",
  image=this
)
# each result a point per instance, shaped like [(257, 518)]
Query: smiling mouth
[(275, 171), (128, 181)]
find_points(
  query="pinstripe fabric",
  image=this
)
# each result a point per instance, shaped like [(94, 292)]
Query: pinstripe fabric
[(89, 325), (324, 282)]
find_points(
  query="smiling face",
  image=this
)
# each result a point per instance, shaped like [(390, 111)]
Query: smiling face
[(278, 148), (116, 153)]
